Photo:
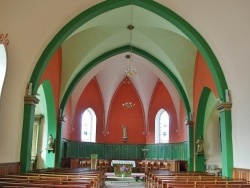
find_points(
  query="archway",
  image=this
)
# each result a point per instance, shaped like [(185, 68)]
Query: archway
[(154, 7)]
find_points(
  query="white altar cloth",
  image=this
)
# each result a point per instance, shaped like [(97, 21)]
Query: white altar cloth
[(122, 162)]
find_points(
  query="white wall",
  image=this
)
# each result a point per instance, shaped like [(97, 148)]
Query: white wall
[(32, 24)]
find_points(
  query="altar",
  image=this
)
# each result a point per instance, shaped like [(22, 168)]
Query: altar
[(122, 167)]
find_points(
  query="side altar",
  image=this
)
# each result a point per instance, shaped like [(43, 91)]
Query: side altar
[(122, 167)]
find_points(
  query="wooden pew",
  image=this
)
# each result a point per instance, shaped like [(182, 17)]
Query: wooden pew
[(56, 178), (163, 179)]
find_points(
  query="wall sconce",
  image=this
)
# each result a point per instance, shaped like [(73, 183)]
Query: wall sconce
[(145, 133), (178, 131), (105, 133)]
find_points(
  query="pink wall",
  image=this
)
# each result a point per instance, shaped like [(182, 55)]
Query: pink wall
[(53, 73), (90, 98), (202, 78)]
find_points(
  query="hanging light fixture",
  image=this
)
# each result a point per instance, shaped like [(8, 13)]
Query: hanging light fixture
[(130, 71), (128, 104)]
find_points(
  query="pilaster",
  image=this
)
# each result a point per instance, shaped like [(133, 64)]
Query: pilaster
[(27, 132), (226, 138), (59, 143), (190, 149)]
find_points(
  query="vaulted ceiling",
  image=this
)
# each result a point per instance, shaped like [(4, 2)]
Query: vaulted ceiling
[(152, 35)]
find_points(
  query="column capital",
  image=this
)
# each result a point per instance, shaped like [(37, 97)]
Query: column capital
[(62, 119), (225, 106), (29, 99), (189, 123)]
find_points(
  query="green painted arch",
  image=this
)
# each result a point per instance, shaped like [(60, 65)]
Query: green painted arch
[(137, 51), (152, 6), (200, 120), (201, 112), (51, 118)]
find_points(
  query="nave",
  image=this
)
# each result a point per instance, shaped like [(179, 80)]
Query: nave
[(87, 178)]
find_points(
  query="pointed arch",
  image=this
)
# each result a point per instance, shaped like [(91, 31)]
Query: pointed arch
[(152, 6)]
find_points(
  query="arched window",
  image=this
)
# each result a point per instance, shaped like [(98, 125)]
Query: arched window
[(162, 127), (88, 126)]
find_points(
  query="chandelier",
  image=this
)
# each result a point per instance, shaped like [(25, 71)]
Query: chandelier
[(128, 104), (130, 71)]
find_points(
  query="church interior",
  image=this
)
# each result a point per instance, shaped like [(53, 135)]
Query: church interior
[(120, 90)]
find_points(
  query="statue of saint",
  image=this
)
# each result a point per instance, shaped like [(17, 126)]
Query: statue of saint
[(200, 148), (125, 133), (50, 142)]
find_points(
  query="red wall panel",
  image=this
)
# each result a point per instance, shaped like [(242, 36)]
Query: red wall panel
[(162, 99), (90, 98), (133, 118), (53, 73)]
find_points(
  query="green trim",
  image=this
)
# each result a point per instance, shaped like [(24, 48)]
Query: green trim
[(137, 51)]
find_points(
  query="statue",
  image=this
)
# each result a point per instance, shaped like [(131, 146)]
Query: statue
[(125, 133), (200, 148), (50, 142)]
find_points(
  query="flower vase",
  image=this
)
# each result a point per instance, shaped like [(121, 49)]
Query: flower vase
[(122, 175)]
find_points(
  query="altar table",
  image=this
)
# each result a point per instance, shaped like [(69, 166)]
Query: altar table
[(113, 162), (122, 167)]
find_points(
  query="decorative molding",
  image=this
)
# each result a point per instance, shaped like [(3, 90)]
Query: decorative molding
[(29, 99), (4, 39), (62, 119), (224, 106), (189, 123)]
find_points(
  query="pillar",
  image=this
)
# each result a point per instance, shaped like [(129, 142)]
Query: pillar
[(59, 143), (226, 138), (27, 132), (190, 147)]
